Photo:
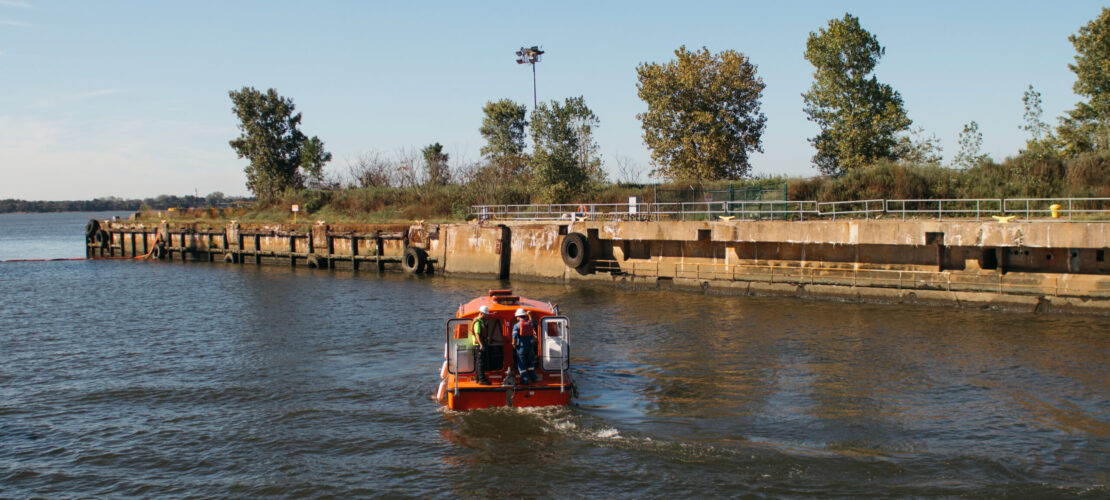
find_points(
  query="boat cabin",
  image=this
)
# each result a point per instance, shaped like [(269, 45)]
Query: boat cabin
[(460, 379)]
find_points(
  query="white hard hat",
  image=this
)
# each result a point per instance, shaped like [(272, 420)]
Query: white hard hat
[(484, 309), (520, 312)]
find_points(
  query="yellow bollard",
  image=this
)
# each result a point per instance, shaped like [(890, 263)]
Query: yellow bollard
[(1055, 210)]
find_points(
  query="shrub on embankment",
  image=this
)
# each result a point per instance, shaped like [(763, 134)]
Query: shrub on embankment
[(1022, 176), (1016, 177)]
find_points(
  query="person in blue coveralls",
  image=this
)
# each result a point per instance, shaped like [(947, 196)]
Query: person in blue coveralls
[(524, 346)]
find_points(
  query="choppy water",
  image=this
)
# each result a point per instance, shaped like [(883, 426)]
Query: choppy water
[(124, 378)]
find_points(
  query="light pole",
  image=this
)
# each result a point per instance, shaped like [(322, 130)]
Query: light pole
[(530, 55)]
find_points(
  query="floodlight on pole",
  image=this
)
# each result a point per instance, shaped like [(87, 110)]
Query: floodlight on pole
[(530, 55)]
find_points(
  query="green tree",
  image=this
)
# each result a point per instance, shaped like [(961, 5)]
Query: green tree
[(1042, 143), (270, 138), (313, 157), (703, 118), (503, 128), (214, 199), (917, 149), (1087, 127), (564, 159), (971, 141), (435, 161), (858, 117)]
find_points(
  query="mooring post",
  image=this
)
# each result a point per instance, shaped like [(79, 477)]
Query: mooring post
[(257, 249)]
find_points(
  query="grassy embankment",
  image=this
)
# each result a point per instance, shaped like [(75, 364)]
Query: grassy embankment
[(1080, 177)]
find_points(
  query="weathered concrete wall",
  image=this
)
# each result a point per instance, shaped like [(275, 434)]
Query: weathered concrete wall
[(471, 248), (536, 251), (864, 232), (1045, 266)]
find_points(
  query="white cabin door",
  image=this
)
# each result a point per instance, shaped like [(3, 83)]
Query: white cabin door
[(460, 355), (555, 343)]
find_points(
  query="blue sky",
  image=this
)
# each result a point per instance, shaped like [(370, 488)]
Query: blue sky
[(129, 98)]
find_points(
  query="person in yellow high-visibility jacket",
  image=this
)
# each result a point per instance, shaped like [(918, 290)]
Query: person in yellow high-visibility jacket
[(478, 338)]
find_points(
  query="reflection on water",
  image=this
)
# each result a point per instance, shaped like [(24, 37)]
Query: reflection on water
[(157, 379)]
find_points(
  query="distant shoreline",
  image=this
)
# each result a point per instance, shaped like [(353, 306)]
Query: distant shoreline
[(111, 204)]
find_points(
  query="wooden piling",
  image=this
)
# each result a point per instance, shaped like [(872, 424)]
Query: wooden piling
[(293, 249), (225, 246), (331, 251), (381, 249), (354, 251)]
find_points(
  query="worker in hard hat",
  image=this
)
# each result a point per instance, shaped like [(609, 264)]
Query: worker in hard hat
[(524, 345), (478, 337)]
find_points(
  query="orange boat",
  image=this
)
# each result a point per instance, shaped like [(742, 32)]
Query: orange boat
[(459, 387)]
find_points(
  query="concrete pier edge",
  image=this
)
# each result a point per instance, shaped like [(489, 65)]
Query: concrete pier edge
[(1031, 267)]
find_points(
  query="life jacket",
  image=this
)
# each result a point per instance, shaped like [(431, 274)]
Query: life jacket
[(525, 332)]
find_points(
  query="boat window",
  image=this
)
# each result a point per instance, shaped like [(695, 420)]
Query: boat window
[(495, 337)]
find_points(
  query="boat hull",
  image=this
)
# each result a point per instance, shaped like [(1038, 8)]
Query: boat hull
[(474, 398)]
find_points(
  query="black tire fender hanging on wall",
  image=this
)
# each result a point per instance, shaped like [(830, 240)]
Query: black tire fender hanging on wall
[(414, 260), (91, 229), (102, 238), (575, 250), (159, 250)]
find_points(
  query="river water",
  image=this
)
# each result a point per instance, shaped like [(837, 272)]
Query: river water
[(135, 378)]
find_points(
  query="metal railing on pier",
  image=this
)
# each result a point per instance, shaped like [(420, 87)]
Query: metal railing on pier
[(1047, 207), (1005, 210), (945, 208)]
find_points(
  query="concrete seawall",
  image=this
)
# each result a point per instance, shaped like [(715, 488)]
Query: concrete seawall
[(1030, 266)]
